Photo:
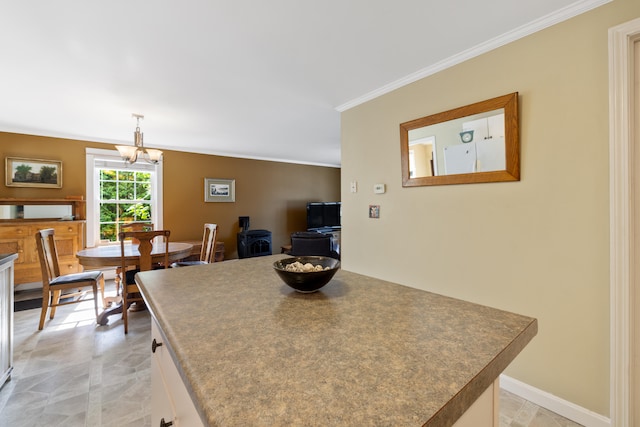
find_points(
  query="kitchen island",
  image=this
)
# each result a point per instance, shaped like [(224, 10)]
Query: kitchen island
[(249, 350)]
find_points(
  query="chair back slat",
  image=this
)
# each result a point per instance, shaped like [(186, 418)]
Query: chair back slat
[(136, 226), (305, 243), (145, 247), (207, 253), (48, 255), (130, 290)]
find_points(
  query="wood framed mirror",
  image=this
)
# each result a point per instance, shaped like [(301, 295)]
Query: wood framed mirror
[(471, 144)]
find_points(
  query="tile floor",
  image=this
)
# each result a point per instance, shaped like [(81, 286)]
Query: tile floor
[(74, 373)]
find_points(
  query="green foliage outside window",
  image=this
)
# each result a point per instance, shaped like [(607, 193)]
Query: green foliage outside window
[(125, 196)]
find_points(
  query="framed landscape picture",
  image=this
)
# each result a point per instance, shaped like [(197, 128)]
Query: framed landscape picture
[(219, 190), (23, 172)]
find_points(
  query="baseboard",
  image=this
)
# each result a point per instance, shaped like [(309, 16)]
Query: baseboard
[(553, 403)]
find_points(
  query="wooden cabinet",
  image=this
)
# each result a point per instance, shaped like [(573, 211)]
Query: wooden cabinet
[(170, 400), (17, 236), (6, 316)]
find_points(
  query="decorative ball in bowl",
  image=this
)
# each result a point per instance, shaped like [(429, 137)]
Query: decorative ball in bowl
[(306, 274)]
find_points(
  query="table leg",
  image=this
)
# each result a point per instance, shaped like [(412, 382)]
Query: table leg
[(103, 318)]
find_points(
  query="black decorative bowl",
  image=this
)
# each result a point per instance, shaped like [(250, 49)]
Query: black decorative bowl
[(311, 281)]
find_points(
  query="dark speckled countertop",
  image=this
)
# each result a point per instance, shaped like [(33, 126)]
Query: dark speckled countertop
[(361, 351)]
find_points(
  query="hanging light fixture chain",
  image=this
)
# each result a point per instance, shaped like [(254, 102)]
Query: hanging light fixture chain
[(130, 154)]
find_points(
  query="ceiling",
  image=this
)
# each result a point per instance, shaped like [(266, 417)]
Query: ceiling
[(244, 78)]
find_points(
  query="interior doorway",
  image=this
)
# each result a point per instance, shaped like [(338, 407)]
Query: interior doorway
[(635, 295), (624, 175)]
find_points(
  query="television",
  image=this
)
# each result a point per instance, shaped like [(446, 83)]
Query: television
[(323, 215)]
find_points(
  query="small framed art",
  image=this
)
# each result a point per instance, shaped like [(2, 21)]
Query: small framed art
[(219, 190), (24, 172)]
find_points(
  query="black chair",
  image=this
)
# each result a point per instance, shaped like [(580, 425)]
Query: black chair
[(307, 243)]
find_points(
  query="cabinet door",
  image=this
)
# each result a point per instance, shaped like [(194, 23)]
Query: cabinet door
[(479, 127), (488, 128), (169, 395), (491, 155), (68, 244), (496, 126), (13, 240), (161, 403), (66, 240), (13, 246), (460, 158), (485, 411), (6, 321)]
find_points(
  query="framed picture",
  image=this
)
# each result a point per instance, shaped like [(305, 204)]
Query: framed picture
[(22, 172), (219, 190)]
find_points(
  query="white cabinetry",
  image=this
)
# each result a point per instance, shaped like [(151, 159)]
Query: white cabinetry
[(487, 128), (484, 411), (6, 316), (171, 404), (485, 153)]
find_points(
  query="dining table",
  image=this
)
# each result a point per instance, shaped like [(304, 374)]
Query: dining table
[(110, 256)]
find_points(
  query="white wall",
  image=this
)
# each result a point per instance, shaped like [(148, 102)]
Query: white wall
[(540, 246)]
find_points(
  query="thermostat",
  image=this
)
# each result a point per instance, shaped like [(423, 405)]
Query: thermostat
[(379, 188)]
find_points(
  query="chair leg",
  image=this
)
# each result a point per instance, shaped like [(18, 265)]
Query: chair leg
[(117, 280), (95, 299), (104, 301), (45, 306), (125, 310), (54, 303)]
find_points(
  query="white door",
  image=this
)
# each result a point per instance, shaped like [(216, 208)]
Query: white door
[(491, 155), (635, 293), (460, 158)]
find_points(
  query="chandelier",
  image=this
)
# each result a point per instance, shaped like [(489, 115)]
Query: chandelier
[(131, 153)]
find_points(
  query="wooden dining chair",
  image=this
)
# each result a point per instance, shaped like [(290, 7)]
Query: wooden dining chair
[(53, 284), (130, 290), (208, 249), (130, 226)]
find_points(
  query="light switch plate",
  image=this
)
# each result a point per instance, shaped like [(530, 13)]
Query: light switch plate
[(354, 186), (379, 188)]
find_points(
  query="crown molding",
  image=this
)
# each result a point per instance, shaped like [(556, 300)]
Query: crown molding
[(556, 17)]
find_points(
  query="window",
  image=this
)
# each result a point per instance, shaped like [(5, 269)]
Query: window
[(125, 196), (118, 193)]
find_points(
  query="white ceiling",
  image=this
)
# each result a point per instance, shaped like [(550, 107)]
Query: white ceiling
[(246, 78)]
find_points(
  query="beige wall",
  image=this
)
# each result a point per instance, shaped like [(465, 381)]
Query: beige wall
[(273, 194), (538, 246)]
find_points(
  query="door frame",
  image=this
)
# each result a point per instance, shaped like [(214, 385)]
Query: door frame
[(622, 219)]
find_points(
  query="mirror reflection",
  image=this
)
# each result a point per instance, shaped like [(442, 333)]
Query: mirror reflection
[(475, 143), (35, 211), (466, 145)]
